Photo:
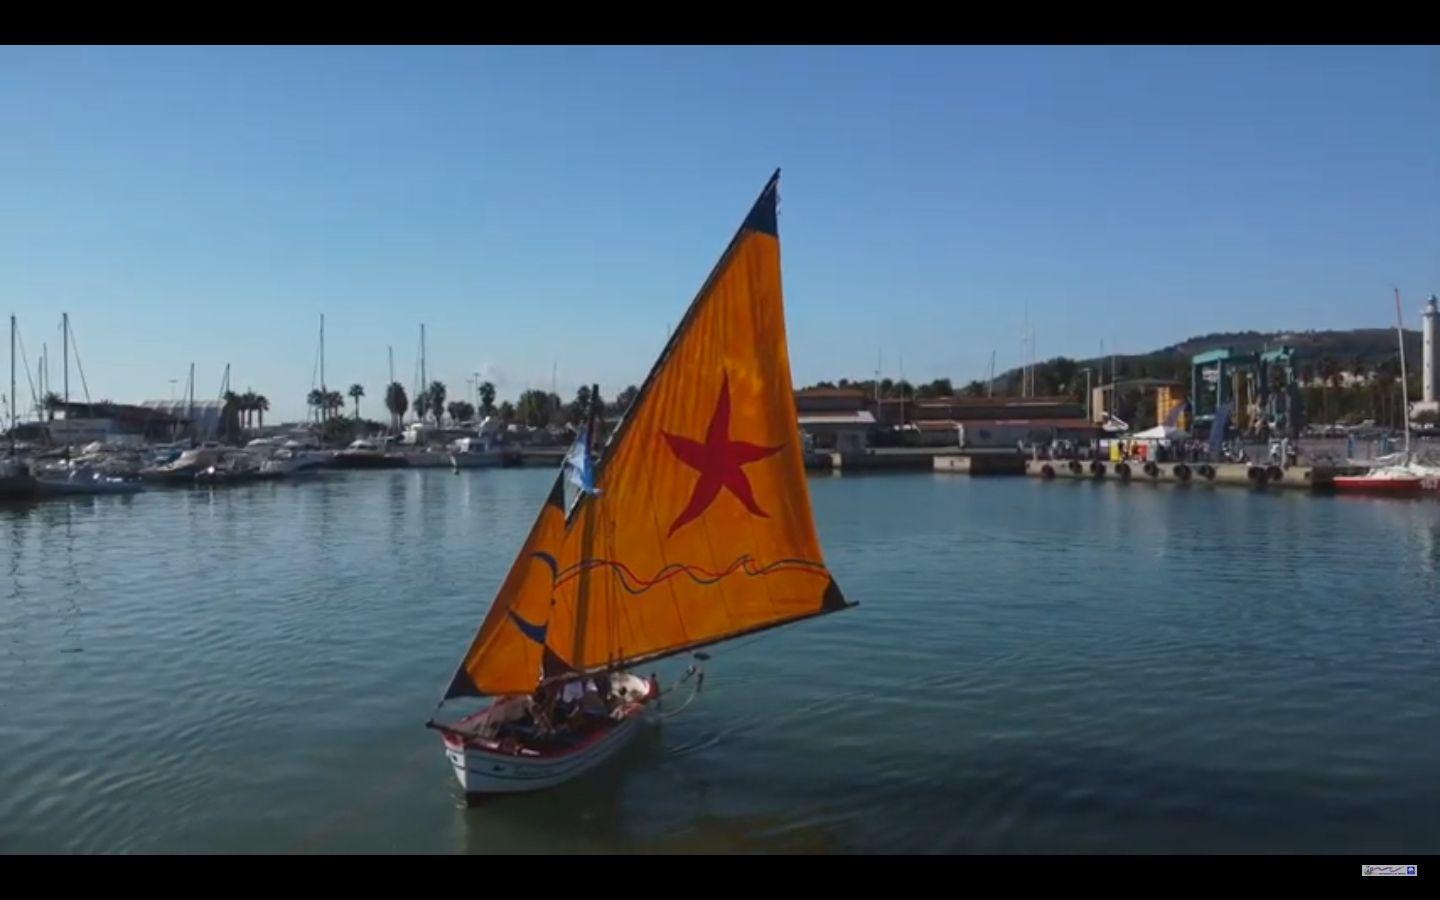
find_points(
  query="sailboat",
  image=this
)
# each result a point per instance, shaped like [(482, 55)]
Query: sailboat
[(691, 526), (1400, 478)]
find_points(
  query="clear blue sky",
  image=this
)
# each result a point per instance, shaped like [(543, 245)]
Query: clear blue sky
[(563, 205)]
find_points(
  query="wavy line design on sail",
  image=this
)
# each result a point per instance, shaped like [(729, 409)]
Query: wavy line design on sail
[(634, 584)]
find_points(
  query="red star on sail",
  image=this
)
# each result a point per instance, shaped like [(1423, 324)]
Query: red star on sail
[(718, 461)]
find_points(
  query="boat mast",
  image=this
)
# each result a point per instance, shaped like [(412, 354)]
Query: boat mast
[(879, 364), (65, 355), (12, 385), (1404, 388), (190, 402), (587, 546), (322, 354), (224, 389), (901, 388)]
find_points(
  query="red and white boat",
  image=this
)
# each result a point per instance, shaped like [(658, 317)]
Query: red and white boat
[(692, 526), (493, 751), (1405, 476), (1390, 480)]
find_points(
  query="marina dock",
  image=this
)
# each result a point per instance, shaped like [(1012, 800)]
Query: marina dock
[(1249, 475)]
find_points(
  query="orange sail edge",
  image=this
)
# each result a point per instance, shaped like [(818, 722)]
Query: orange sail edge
[(699, 529)]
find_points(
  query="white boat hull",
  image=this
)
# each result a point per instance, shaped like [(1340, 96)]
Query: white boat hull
[(485, 767), (482, 772)]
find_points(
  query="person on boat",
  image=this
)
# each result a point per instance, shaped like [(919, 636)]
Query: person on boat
[(542, 709), (571, 694), (595, 699)]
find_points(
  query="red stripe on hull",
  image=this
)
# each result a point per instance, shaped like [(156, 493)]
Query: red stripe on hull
[(1379, 485)]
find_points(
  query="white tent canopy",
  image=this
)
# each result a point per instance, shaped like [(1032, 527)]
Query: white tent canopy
[(1161, 433)]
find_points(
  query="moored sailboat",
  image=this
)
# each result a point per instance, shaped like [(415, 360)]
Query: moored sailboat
[(691, 526), (1401, 479)]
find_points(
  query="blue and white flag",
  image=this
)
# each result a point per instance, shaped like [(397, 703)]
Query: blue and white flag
[(580, 465)]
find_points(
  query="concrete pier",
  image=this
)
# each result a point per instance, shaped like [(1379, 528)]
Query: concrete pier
[(1251, 475), (887, 460)]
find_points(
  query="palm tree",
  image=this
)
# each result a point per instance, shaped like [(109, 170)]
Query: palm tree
[(437, 399), (315, 399), (506, 412), (356, 392), (487, 398), (421, 404), (580, 407), (262, 406), (247, 406), (334, 402), (396, 402), (231, 413)]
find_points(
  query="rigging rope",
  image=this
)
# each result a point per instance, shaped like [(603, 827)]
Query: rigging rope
[(34, 397), (76, 347)]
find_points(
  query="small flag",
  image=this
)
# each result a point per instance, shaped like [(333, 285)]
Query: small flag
[(580, 464)]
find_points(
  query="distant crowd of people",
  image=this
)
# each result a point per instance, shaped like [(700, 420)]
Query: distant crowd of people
[(1281, 452)]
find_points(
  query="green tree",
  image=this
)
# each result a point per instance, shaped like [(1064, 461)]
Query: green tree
[(534, 408), (316, 401), (576, 411), (229, 415), (460, 410), (436, 393), (262, 406), (1329, 371), (625, 398), (397, 403), (487, 398), (356, 392), (506, 412)]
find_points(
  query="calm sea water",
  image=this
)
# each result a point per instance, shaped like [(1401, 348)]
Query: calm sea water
[(1034, 666)]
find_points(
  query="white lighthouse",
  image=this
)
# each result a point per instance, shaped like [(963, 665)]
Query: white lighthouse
[(1429, 358)]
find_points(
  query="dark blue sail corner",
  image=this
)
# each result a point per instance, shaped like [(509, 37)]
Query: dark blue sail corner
[(461, 685), (551, 665), (556, 498), (762, 217), (834, 598)]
